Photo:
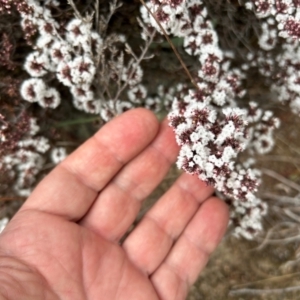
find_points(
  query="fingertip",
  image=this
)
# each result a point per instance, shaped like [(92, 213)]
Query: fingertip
[(221, 212), (136, 123), (209, 224)]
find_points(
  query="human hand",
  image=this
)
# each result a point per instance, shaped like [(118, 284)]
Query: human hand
[(64, 243)]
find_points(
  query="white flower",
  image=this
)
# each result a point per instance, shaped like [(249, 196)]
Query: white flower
[(77, 32), (58, 154), (133, 74), (192, 45), (153, 104), (227, 132), (42, 144), (137, 93), (83, 70), (43, 42), (228, 154), (37, 64), (219, 97), (264, 144), (96, 42), (82, 93), (183, 26), (50, 98), (52, 2), (34, 128), (32, 89), (63, 73), (60, 52), (92, 106), (48, 27), (113, 108)]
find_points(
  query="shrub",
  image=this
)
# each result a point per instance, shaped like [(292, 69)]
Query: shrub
[(77, 56)]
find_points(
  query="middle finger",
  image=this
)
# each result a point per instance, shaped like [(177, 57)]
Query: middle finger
[(119, 203)]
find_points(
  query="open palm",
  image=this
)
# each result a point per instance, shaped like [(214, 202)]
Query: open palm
[(64, 243)]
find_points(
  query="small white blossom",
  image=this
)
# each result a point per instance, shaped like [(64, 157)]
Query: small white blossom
[(32, 89), (58, 154), (36, 64), (50, 98), (82, 70)]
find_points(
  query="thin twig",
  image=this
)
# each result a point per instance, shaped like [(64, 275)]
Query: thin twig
[(12, 199), (172, 46), (97, 16), (263, 291), (281, 178), (292, 215), (281, 199), (73, 5), (284, 240), (143, 54), (266, 239), (282, 139), (281, 158), (238, 286), (87, 19)]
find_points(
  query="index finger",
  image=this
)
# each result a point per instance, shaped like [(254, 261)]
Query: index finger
[(71, 188)]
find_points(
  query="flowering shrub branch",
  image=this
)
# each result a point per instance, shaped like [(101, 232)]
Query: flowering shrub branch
[(214, 120)]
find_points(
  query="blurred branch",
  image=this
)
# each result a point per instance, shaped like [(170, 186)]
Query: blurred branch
[(280, 158), (281, 178), (248, 291), (3, 199), (77, 121), (172, 46)]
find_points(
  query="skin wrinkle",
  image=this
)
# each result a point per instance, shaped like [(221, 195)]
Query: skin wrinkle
[(118, 290), (127, 190), (101, 145), (27, 269), (98, 142), (207, 252), (96, 273), (188, 192), (77, 176), (11, 280), (156, 222), (33, 272), (4, 296), (161, 154), (184, 281), (168, 236), (81, 266), (62, 266), (169, 161), (201, 249), (80, 177), (174, 271)]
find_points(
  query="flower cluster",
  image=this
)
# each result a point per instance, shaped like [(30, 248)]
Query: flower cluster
[(21, 156), (69, 58), (208, 124), (284, 12), (6, 49), (70, 54), (280, 32), (7, 6), (216, 123)]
